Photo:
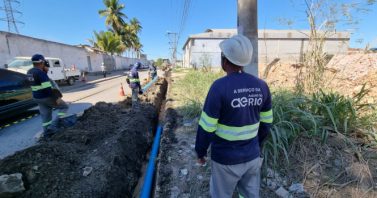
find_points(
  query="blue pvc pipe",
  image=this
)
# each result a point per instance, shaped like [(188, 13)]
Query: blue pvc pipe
[(147, 186), (146, 87)]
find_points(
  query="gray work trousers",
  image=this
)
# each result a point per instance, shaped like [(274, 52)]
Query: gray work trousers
[(245, 177), (46, 106), (135, 97)]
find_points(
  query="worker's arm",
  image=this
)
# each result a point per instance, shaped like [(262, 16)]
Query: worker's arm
[(208, 122), (266, 118)]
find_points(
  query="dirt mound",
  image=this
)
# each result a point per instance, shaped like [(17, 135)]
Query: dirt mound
[(113, 140), (344, 73)]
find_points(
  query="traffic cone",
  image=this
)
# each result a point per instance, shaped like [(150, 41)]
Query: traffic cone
[(121, 91)]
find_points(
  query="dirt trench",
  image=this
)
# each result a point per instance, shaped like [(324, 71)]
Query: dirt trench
[(112, 139)]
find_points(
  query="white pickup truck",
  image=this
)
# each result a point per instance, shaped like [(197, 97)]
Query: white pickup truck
[(57, 72)]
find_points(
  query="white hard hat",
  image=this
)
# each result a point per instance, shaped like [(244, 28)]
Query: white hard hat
[(237, 49)]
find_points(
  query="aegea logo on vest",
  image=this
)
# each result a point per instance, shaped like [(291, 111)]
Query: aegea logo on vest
[(246, 102), (254, 98)]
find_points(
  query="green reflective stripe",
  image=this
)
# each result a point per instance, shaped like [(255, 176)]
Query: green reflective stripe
[(266, 113), (42, 86), (46, 84), (36, 88), (61, 114), (208, 123), (237, 133), (206, 127), (209, 120), (134, 80), (266, 116), (46, 123)]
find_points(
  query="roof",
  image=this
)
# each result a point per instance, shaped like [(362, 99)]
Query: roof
[(264, 34)]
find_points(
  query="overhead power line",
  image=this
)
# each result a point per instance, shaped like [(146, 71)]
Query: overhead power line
[(175, 36), (10, 13), (185, 14)]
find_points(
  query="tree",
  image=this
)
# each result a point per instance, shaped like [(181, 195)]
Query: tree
[(137, 46), (127, 32), (135, 26), (159, 62), (108, 42), (114, 15)]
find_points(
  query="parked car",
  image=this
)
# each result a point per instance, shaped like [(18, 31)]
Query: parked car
[(57, 72), (15, 94)]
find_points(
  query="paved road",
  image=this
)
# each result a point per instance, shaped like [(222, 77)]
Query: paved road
[(22, 135)]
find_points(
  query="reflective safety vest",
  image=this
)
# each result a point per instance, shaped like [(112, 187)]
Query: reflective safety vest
[(236, 113), (40, 83), (134, 79), (233, 133)]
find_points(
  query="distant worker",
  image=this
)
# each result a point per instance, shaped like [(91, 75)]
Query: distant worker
[(43, 95), (103, 69), (56, 92), (235, 120), (83, 74), (152, 71), (134, 82)]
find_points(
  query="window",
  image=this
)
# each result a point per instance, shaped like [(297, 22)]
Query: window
[(56, 63), (192, 42), (21, 64)]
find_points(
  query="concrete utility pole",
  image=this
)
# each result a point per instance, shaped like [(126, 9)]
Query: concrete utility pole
[(247, 25)]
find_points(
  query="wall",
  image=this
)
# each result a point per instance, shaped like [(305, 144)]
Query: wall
[(288, 50), (12, 45)]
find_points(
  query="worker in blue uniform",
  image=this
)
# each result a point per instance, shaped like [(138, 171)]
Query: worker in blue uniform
[(134, 82), (152, 71), (43, 95), (235, 120)]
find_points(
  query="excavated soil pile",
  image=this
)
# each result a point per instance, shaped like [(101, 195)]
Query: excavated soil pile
[(345, 74), (111, 141)]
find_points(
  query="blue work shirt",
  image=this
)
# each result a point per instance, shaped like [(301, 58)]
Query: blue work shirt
[(236, 118), (134, 78), (40, 83)]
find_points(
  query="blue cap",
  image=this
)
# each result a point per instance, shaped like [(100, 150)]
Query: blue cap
[(37, 58)]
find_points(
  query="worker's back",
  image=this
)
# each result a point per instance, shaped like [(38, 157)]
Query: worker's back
[(236, 100)]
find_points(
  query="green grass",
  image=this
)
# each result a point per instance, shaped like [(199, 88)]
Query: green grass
[(314, 115), (193, 89)]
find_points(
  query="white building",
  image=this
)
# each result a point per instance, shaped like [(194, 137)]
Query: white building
[(81, 56), (287, 45)]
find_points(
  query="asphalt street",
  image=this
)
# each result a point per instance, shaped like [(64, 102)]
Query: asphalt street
[(23, 134)]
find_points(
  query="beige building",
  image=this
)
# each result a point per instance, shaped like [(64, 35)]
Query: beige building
[(287, 45)]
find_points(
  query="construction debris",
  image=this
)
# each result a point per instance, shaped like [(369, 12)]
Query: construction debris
[(11, 184)]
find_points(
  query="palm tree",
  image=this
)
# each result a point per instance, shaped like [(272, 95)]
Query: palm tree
[(138, 48), (135, 26), (114, 15), (108, 42), (129, 35)]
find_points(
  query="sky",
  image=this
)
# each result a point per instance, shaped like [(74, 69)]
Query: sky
[(73, 21)]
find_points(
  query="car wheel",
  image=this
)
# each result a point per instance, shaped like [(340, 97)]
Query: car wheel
[(71, 81)]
